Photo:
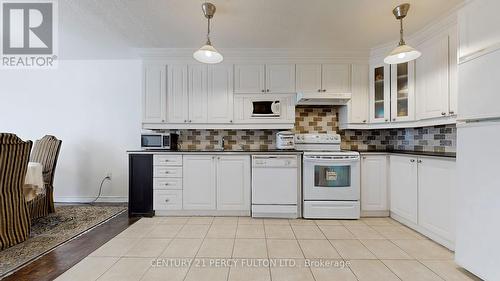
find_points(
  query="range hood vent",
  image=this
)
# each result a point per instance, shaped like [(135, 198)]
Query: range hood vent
[(323, 98)]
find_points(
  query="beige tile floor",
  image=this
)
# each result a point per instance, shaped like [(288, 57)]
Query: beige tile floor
[(238, 249)]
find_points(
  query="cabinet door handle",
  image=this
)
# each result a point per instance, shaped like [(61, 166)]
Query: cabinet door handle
[(419, 161), (267, 90), (166, 200), (263, 91), (166, 172), (324, 90), (364, 121), (393, 119), (185, 121), (452, 112), (443, 113), (386, 120), (412, 160), (364, 157), (319, 90)]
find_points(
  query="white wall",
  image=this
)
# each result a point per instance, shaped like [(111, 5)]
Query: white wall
[(93, 106)]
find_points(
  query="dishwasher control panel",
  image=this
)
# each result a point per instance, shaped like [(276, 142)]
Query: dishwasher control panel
[(274, 161)]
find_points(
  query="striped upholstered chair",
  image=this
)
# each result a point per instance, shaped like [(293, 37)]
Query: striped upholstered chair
[(46, 152), (14, 216)]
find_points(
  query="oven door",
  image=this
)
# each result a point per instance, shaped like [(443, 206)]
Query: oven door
[(331, 178)]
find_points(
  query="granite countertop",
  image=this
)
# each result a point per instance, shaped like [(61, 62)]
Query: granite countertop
[(216, 151), (412, 152), (284, 151)]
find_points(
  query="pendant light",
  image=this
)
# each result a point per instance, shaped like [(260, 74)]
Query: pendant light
[(403, 53), (207, 53)]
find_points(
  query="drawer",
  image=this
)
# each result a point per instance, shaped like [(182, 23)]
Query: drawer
[(167, 183), (167, 160), (167, 200), (167, 172)]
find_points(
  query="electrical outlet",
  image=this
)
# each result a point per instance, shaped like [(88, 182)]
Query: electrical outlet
[(109, 175)]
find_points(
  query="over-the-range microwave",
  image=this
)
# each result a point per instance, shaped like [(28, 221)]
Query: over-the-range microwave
[(159, 141)]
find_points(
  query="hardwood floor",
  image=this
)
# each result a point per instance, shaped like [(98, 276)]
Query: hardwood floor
[(56, 262)]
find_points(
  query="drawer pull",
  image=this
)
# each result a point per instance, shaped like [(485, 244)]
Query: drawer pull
[(166, 200), (166, 172), (166, 184)]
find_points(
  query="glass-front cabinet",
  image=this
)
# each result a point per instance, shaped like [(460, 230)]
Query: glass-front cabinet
[(380, 93), (392, 90), (402, 92)]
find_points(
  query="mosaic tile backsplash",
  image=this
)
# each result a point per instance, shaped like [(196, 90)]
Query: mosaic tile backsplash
[(324, 120)]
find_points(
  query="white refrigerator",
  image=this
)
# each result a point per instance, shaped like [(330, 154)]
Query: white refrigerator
[(477, 246)]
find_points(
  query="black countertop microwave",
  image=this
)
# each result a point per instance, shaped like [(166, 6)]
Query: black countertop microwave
[(160, 141)]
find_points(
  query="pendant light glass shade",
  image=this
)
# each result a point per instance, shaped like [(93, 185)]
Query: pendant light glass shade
[(208, 54), (402, 54)]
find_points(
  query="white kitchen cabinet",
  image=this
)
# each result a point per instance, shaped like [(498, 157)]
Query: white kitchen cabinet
[(233, 182), (280, 78), (436, 197), (432, 72), (197, 93), (177, 94), (249, 78), (308, 78), (374, 195), (403, 188), (336, 78), (199, 182), (403, 92), (260, 78), (220, 93), (357, 109), (328, 78), (154, 96), (380, 93)]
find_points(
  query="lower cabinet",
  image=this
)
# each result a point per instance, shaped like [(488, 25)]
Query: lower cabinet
[(436, 196), (233, 182), (199, 186), (374, 196), (404, 190), (201, 183), (423, 196)]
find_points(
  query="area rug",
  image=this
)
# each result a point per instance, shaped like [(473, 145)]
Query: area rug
[(49, 232)]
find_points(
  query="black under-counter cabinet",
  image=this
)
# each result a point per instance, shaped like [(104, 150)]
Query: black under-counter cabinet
[(140, 186)]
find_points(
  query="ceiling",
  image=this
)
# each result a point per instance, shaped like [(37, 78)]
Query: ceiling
[(319, 24)]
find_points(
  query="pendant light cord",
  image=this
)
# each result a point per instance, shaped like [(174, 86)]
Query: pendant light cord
[(401, 40), (208, 33)]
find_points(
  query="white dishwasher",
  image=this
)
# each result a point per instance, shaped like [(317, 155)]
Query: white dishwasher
[(275, 188)]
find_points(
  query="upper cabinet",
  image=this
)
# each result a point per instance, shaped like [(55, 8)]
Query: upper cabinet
[(264, 78), (380, 93), (154, 96), (392, 92), (177, 94), (403, 92), (326, 78), (357, 109), (249, 78), (336, 78), (436, 76), (220, 93)]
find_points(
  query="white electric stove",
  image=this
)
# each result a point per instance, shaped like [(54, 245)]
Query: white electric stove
[(330, 177)]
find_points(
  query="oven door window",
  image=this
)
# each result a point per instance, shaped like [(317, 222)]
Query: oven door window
[(332, 176)]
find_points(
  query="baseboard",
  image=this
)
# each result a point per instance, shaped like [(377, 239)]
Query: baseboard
[(88, 199), (374, 214)]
